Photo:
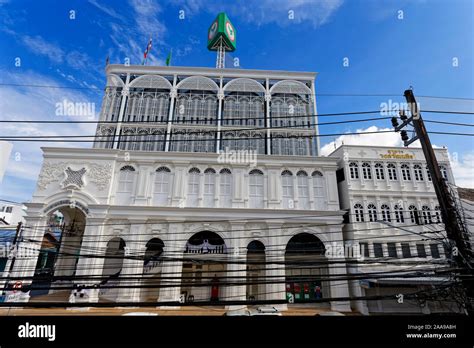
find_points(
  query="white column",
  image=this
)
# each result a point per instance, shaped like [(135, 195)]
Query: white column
[(133, 263), (276, 271), (125, 94), (173, 95), (172, 269), (315, 118), (268, 98), (91, 260), (220, 97), (237, 272), (338, 288), (356, 290)]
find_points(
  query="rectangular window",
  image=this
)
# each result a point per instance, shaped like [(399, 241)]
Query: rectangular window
[(225, 199), (392, 250), (420, 248), (378, 251), (406, 250), (209, 189), (434, 251), (256, 191)]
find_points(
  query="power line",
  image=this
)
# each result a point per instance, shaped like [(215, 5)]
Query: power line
[(46, 138), (318, 94)]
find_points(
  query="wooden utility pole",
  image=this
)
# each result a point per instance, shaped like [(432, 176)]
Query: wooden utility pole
[(459, 249)]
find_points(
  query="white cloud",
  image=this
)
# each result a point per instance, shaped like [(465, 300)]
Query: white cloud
[(463, 169), (40, 46), (130, 38), (110, 11), (316, 12), (75, 59), (33, 103), (379, 139), (146, 18), (79, 60)]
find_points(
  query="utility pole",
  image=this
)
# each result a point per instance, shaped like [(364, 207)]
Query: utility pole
[(13, 251), (459, 249)]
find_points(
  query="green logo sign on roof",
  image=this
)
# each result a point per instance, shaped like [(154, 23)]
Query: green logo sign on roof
[(221, 31)]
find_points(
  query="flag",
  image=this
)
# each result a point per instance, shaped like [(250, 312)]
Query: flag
[(148, 48), (107, 61), (168, 59)]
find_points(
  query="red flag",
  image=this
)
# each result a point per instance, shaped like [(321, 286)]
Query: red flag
[(148, 48)]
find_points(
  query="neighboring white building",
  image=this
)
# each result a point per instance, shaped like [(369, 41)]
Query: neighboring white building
[(200, 173), (394, 216), (12, 213)]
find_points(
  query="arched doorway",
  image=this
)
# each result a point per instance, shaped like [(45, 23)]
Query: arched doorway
[(204, 266), (255, 270), (152, 267), (305, 266), (113, 265), (59, 251)]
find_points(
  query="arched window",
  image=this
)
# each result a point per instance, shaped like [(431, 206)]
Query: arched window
[(392, 172), (354, 170), (438, 214), (372, 211), (399, 214), (385, 209), (406, 172), (379, 174), (162, 186), (209, 187), (358, 212), (366, 171), (418, 172), (126, 185), (194, 178), (319, 190), (414, 215), (256, 199), (225, 194), (303, 189), (287, 189), (425, 210)]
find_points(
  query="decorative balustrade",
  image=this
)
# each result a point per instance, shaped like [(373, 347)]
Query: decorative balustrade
[(205, 248)]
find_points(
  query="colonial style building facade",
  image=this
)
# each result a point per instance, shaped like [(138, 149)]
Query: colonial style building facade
[(202, 185), (394, 216), (207, 185)]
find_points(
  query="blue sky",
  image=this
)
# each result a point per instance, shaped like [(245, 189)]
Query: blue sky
[(390, 45)]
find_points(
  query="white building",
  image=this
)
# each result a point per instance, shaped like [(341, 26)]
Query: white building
[(12, 213), (205, 174), (394, 216)]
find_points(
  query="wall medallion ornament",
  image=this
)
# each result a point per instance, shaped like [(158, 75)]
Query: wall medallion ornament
[(74, 178)]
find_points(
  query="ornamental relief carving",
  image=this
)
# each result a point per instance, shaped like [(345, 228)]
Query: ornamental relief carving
[(50, 172), (99, 174)]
